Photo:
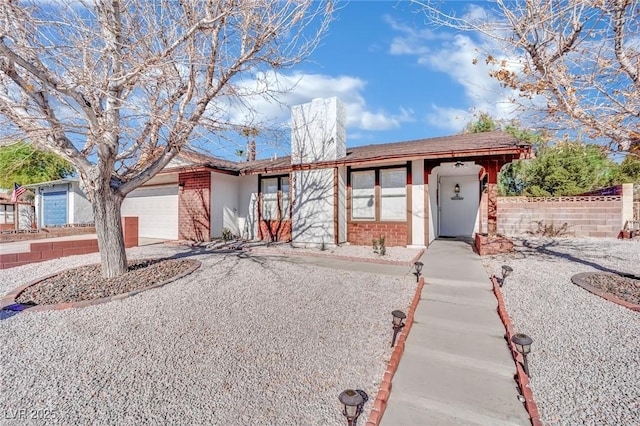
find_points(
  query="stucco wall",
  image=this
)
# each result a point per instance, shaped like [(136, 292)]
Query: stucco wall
[(418, 212), (313, 207), (224, 204), (80, 207), (248, 207)]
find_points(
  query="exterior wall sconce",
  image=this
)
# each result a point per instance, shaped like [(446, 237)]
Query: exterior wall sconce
[(352, 402), (181, 186), (456, 190), (523, 343), (418, 266), (398, 316)]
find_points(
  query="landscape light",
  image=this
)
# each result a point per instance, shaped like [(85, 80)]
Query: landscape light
[(352, 401), (398, 316), (523, 346), (418, 266), (506, 271)]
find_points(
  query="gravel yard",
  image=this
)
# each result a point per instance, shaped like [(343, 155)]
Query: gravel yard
[(245, 339), (585, 359)]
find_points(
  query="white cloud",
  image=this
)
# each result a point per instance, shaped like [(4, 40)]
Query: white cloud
[(298, 88), (460, 57)]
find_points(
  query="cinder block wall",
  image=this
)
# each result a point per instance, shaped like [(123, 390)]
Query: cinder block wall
[(586, 216)]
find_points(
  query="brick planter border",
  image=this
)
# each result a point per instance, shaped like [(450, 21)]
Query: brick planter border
[(521, 376), (8, 302), (380, 403), (580, 281)]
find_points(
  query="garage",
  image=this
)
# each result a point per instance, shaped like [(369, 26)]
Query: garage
[(156, 209), (54, 208)]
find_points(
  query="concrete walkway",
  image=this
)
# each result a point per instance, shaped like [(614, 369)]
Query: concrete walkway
[(456, 368)]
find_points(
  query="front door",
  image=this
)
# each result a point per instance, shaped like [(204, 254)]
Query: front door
[(458, 210)]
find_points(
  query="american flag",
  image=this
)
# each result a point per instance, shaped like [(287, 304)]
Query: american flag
[(17, 192)]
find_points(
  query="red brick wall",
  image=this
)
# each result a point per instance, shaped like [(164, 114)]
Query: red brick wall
[(280, 230), (361, 233), (45, 251), (194, 206), (586, 216), (130, 231)]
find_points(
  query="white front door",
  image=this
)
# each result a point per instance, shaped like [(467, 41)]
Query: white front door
[(458, 211)]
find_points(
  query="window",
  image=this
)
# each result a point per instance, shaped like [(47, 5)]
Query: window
[(275, 192), (284, 193), (270, 198), (388, 202), (6, 214), (363, 195), (393, 194)]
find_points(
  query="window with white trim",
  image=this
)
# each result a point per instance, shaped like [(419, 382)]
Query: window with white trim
[(393, 194), (363, 195), (6, 214), (286, 197), (275, 193)]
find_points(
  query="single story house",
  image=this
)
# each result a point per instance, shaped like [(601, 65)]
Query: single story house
[(61, 202), (325, 193), (15, 216)]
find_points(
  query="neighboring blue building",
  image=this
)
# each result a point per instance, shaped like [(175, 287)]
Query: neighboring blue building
[(61, 202)]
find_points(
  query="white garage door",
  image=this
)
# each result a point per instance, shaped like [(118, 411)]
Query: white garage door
[(157, 211)]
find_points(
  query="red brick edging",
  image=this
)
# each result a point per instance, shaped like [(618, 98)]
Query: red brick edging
[(521, 376), (380, 404), (578, 279), (10, 298)]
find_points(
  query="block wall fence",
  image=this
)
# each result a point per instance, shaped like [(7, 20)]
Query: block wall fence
[(41, 251), (598, 216)]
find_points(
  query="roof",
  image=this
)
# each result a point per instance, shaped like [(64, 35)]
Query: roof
[(53, 182), (464, 145)]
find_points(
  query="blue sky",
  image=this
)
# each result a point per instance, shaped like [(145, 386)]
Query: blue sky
[(399, 78)]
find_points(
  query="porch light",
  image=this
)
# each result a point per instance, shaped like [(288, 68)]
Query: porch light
[(418, 266), (181, 186), (506, 271), (456, 188), (397, 323), (523, 343), (352, 401)]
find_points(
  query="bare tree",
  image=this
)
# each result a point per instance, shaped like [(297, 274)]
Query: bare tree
[(577, 61), (119, 87)]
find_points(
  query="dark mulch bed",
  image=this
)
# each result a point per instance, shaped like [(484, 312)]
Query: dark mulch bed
[(87, 283), (625, 288)]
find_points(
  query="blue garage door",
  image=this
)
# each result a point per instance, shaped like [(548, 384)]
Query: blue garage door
[(54, 208)]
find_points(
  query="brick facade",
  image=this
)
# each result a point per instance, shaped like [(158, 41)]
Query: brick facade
[(585, 216), (194, 206), (280, 230), (362, 233)]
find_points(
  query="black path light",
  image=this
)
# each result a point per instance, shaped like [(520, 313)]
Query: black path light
[(418, 266), (398, 316), (352, 401), (506, 271), (523, 345)]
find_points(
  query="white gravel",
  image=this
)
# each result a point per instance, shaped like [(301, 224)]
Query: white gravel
[(585, 359), (244, 340)]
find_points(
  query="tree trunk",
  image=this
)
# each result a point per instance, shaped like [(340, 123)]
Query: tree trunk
[(108, 220)]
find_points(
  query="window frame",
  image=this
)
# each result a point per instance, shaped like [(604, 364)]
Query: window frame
[(280, 206), (406, 167)]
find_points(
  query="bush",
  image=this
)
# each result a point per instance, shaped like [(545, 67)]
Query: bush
[(379, 246)]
